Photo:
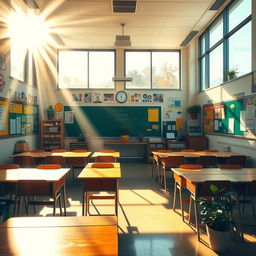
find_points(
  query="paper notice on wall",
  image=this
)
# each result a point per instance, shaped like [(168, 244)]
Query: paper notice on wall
[(69, 117), (13, 126), (216, 125), (179, 123), (18, 124), (231, 125), (153, 115), (242, 121), (3, 119)]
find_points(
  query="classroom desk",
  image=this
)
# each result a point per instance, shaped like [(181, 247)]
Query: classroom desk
[(96, 179), (114, 154), (59, 236), (51, 175)]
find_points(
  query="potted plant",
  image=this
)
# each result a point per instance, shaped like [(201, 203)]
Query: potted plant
[(231, 74), (194, 110), (50, 112), (125, 130), (216, 215)]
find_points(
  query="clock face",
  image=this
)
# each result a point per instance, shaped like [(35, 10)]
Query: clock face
[(121, 96)]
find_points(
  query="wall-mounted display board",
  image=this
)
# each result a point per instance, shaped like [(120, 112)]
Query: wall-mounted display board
[(250, 115), (225, 118), (17, 118), (107, 121)]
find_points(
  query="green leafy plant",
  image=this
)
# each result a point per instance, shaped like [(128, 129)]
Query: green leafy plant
[(194, 109), (216, 210), (231, 74), (50, 112)]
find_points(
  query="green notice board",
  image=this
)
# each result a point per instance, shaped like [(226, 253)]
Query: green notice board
[(106, 121), (224, 118)]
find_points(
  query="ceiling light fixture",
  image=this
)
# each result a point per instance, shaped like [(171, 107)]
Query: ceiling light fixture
[(122, 40)]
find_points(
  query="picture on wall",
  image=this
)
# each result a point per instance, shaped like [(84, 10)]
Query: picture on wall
[(97, 98), (254, 81), (2, 61), (87, 98), (108, 97), (135, 97), (77, 97), (147, 98), (158, 97)]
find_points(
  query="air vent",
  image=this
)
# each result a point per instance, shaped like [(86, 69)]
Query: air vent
[(124, 6), (216, 5), (189, 37)]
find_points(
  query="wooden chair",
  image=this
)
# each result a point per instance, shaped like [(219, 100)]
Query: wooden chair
[(24, 161), (230, 166), (168, 163), (105, 159), (55, 160), (107, 151), (29, 189), (80, 150), (37, 151), (75, 163), (238, 159), (157, 163), (207, 161), (93, 186), (58, 150)]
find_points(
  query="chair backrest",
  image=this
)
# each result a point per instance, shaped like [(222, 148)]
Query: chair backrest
[(107, 151), (191, 166), (9, 166), (37, 151), (80, 150), (239, 159), (207, 161), (24, 161), (105, 159), (210, 150), (222, 185), (252, 188), (48, 166), (55, 160), (102, 165), (230, 166), (164, 150), (173, 161), (59, 150), (188, 150)]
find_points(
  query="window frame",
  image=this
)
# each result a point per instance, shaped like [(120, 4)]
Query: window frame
[(151, 78), (225, 40), (88, 78)]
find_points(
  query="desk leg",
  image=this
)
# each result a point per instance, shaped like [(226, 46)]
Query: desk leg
[(64, 195), (117, 199)]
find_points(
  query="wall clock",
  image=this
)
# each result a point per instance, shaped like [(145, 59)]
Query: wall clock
[(58, 107), (121, 96)]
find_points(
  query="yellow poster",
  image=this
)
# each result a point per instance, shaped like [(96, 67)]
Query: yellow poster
[(179, 123), (153, 115), (16, 108), (3, 118)]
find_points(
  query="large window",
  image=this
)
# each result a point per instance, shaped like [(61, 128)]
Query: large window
[(83, 69), (226, 45), (153, 69)]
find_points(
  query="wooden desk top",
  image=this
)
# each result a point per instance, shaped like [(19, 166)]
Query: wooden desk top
[(195, 154), (59, 236), (13, 175), (114, 154), (126, 143), (201, 175), (72, 154), (89, 172), (34, 154)]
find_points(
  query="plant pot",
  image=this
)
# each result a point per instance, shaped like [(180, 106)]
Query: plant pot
[(50, 116), (219, 240), (193, 116), (124, 138)]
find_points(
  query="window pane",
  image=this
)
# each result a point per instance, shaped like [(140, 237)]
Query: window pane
[(216, 32), (202, 74), (101, 69), (238, 12), (73, 69), (137, 66), (240, 50), (18, 60), (216, 66), (165, 70)]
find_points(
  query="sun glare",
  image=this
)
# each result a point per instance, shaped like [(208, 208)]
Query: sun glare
[(30, 31)]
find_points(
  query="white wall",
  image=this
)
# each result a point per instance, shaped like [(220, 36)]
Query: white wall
[(225, 92)]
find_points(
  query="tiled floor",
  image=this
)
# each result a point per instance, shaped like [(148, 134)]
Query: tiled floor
[(147, 224)]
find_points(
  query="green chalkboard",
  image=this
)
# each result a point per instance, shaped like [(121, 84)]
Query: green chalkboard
[(224, 118), (106, 121)]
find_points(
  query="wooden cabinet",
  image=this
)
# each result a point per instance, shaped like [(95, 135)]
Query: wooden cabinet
[(154, 146), (197, 142), (52, 134), (176, 145), (78, 145)]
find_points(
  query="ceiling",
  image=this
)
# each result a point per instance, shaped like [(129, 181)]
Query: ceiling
[(156, 23)]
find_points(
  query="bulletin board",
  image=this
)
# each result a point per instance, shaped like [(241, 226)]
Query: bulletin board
[(17, 118), (106, 121), (225, 118)]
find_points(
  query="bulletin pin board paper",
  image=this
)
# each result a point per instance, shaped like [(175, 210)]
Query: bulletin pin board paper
[(4, 117)]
